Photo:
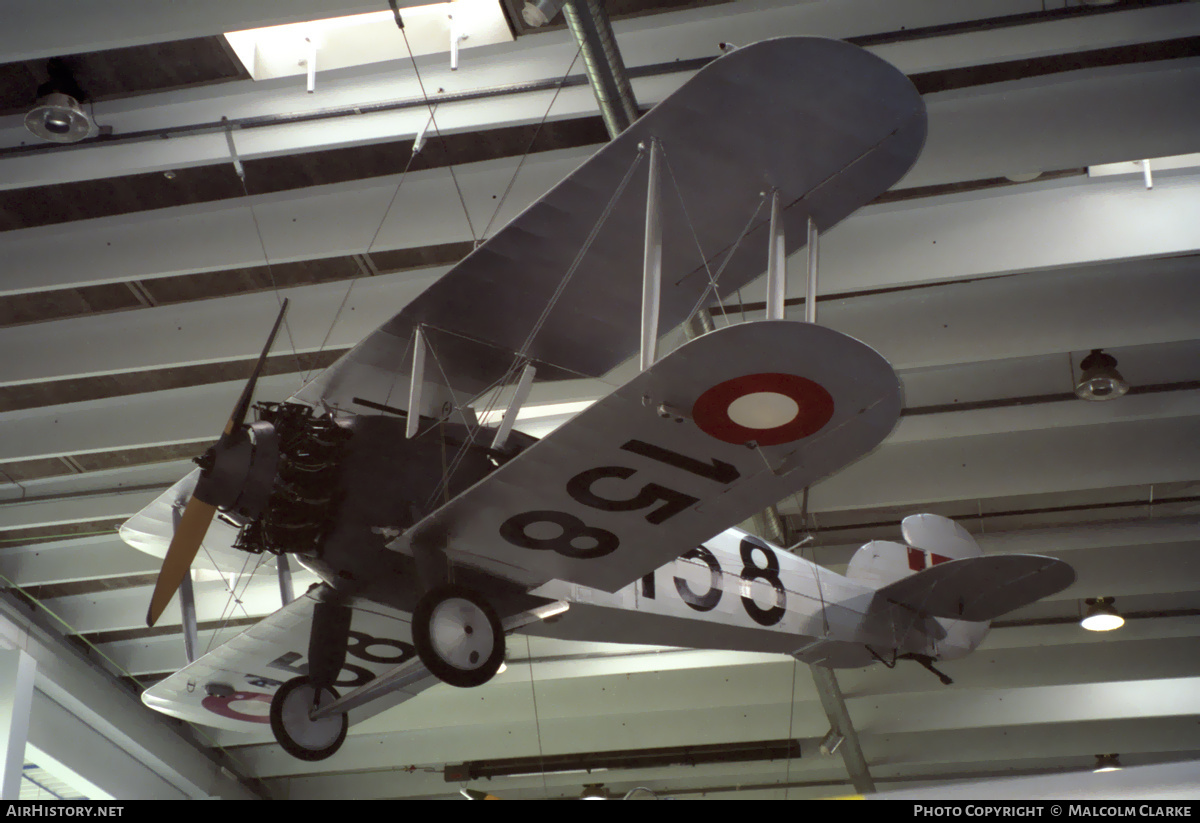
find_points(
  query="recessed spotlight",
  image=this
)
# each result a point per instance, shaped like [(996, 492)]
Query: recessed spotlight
[(1101, 615), (57, 116), (1100, 380)]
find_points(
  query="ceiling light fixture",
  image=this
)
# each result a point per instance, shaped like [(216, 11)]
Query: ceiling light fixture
[(830, 743), (538, 13), (57, 116), (594, 791), (1101, 615), (1107, 763), (1100, 380)]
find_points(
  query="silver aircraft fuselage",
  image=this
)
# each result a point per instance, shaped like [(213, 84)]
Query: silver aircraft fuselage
[(739, 592)]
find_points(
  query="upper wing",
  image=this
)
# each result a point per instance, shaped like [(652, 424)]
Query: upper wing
[(723, 426), (826, 123), (231, 687)]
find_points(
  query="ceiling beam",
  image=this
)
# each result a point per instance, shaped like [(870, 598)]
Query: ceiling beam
[(58, 511), (156, 476), (1016, 463), (986, 466), (196, 413), (543, 59), (143, 749), (314, 323), (1088, 305), (64, 561), (1078, 221), (126, 608), (996, 120)]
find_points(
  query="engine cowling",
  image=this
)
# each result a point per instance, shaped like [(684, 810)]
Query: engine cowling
[(238, 473)]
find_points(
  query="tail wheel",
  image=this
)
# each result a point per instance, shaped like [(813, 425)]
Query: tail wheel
[(293, 726), (458, 636)]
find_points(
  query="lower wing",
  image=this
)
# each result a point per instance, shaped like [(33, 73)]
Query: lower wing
[(231, 687)]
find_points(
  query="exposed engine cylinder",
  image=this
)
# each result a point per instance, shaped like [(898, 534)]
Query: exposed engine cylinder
[(305, 489)]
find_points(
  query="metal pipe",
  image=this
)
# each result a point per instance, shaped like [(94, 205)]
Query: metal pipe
[(602, 61), (699, 323), (652, 267)]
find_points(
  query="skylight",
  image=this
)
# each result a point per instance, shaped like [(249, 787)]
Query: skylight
[(362, 39)]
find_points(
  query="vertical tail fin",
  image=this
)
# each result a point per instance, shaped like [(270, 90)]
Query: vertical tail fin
[(929, 540)]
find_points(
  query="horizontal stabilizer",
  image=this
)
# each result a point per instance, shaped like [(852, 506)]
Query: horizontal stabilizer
[(981, 588)]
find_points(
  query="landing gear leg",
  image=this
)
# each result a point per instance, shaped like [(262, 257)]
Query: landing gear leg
[(293, 705), (458, 636), (327, 642)]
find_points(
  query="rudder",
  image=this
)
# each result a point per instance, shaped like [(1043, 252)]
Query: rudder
[(929, 540)]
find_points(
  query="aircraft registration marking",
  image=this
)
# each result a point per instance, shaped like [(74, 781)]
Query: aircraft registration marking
[(352, 675), (515, 529), (750, 572)]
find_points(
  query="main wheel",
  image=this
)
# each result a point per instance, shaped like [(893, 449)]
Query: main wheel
[(458, 636), (294, 728)]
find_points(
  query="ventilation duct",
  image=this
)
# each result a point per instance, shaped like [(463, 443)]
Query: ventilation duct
[(606, 73)]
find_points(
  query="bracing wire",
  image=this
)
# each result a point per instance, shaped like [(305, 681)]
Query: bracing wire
[(262, 244), (234, 601), (522, 354), (529, 149), (583, 250), (433, 119), (375, 236)]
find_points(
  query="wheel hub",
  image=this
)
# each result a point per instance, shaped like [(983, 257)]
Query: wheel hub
[(460, 633), (296, 714)]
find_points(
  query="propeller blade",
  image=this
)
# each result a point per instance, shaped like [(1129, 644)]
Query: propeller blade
[(189, 533), (197, 515), (243, 405)]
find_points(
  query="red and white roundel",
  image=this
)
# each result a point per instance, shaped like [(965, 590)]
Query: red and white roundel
[(251, 710), (767, 408)]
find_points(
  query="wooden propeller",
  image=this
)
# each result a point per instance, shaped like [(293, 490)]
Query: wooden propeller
[(198, 514)]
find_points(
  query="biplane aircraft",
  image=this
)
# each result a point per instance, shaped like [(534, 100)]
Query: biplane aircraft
[(435, 536)]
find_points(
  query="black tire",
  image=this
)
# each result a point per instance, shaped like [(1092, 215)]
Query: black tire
[(316, 741), (464, 674)]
